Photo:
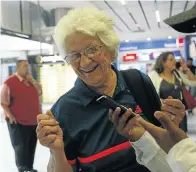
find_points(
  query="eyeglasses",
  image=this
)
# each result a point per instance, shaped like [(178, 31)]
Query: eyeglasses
[(89, 52)]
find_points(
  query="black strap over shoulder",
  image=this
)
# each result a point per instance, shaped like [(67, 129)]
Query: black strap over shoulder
[(144, 93)]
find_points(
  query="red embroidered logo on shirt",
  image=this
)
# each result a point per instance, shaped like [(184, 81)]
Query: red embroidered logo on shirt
[(138, 109)]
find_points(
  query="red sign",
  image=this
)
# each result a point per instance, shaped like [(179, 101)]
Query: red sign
[(180, 42), (129, 57)]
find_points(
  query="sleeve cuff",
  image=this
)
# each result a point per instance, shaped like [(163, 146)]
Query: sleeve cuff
[(182, 156), (147, 147), (146, 142)]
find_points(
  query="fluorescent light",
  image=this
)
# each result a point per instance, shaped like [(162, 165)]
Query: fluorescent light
[(169, 37), (126, 40), (158, 16), (148, 39), (21, 35), (10, 43), (123, 2)]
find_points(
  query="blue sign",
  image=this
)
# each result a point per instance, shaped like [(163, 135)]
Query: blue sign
[(166, 43)]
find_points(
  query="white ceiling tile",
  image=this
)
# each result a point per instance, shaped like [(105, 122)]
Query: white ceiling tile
[(134, 8)]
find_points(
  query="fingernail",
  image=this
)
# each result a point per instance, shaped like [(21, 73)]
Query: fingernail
[(118, 108), (157, 115), (138, 119), (110, 110)]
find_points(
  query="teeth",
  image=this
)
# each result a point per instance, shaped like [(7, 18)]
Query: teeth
[(91, 69)]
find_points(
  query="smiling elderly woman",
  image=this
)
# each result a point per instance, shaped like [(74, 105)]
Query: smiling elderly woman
[(88, 141)]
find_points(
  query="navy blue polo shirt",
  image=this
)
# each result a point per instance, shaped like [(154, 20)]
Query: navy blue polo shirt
[(92, 143)]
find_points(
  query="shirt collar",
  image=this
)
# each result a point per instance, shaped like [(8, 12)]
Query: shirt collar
[(86, 95), (19, 77)]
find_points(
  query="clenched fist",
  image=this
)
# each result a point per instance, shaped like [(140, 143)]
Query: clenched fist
[(49, 132)]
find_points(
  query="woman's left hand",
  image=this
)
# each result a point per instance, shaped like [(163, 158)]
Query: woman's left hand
[(183, 64)]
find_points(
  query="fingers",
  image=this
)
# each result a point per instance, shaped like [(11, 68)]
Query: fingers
[(14, 121), (49, 113), (175, 133), (46, 125), (49, 122), (156, 132), (172, 110), (110, 114), (123, 121), (124, 118), (114, 116), (46, 130), (170, 97), (129, 126), (47, 116), (11, 121), (42, 117), (165, 121), (174, 102), (47, 140), (45, 121)]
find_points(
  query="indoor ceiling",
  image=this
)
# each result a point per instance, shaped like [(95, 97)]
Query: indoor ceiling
[(135, 20)]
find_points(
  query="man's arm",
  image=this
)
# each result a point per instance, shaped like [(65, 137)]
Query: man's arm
[(149, 154), (35, 84), (58, 163), (187, 71), (38, 87), (190, 75), (5, 102)]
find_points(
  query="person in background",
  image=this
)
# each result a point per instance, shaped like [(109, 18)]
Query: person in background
[(20, 102), (193, 70), (168, 81), (77, 129), (191, 66), (183, 69)]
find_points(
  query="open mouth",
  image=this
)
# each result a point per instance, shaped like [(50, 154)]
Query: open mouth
[(90, 70)]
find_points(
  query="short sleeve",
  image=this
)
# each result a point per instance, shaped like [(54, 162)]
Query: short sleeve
[(70, 145)]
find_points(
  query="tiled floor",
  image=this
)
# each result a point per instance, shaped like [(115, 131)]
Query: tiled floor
[(42, 154), (7, 163)]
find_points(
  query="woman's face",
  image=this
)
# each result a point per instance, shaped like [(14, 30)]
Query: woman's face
[(170, 63), (94, 65)]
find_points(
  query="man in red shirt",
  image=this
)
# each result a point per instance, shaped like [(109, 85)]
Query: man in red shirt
[(20, 102)]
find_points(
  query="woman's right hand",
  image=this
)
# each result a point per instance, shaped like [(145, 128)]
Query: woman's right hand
[(130, 129), (49, 132)]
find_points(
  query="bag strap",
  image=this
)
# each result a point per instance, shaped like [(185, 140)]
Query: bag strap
[(178, 76), (144, 93)]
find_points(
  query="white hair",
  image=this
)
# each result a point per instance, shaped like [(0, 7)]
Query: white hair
[(91, 22)]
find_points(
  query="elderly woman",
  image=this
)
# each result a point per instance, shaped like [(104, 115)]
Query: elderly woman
[(84, 139)]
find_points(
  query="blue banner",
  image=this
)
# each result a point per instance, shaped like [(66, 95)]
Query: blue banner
[(166, 43)]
